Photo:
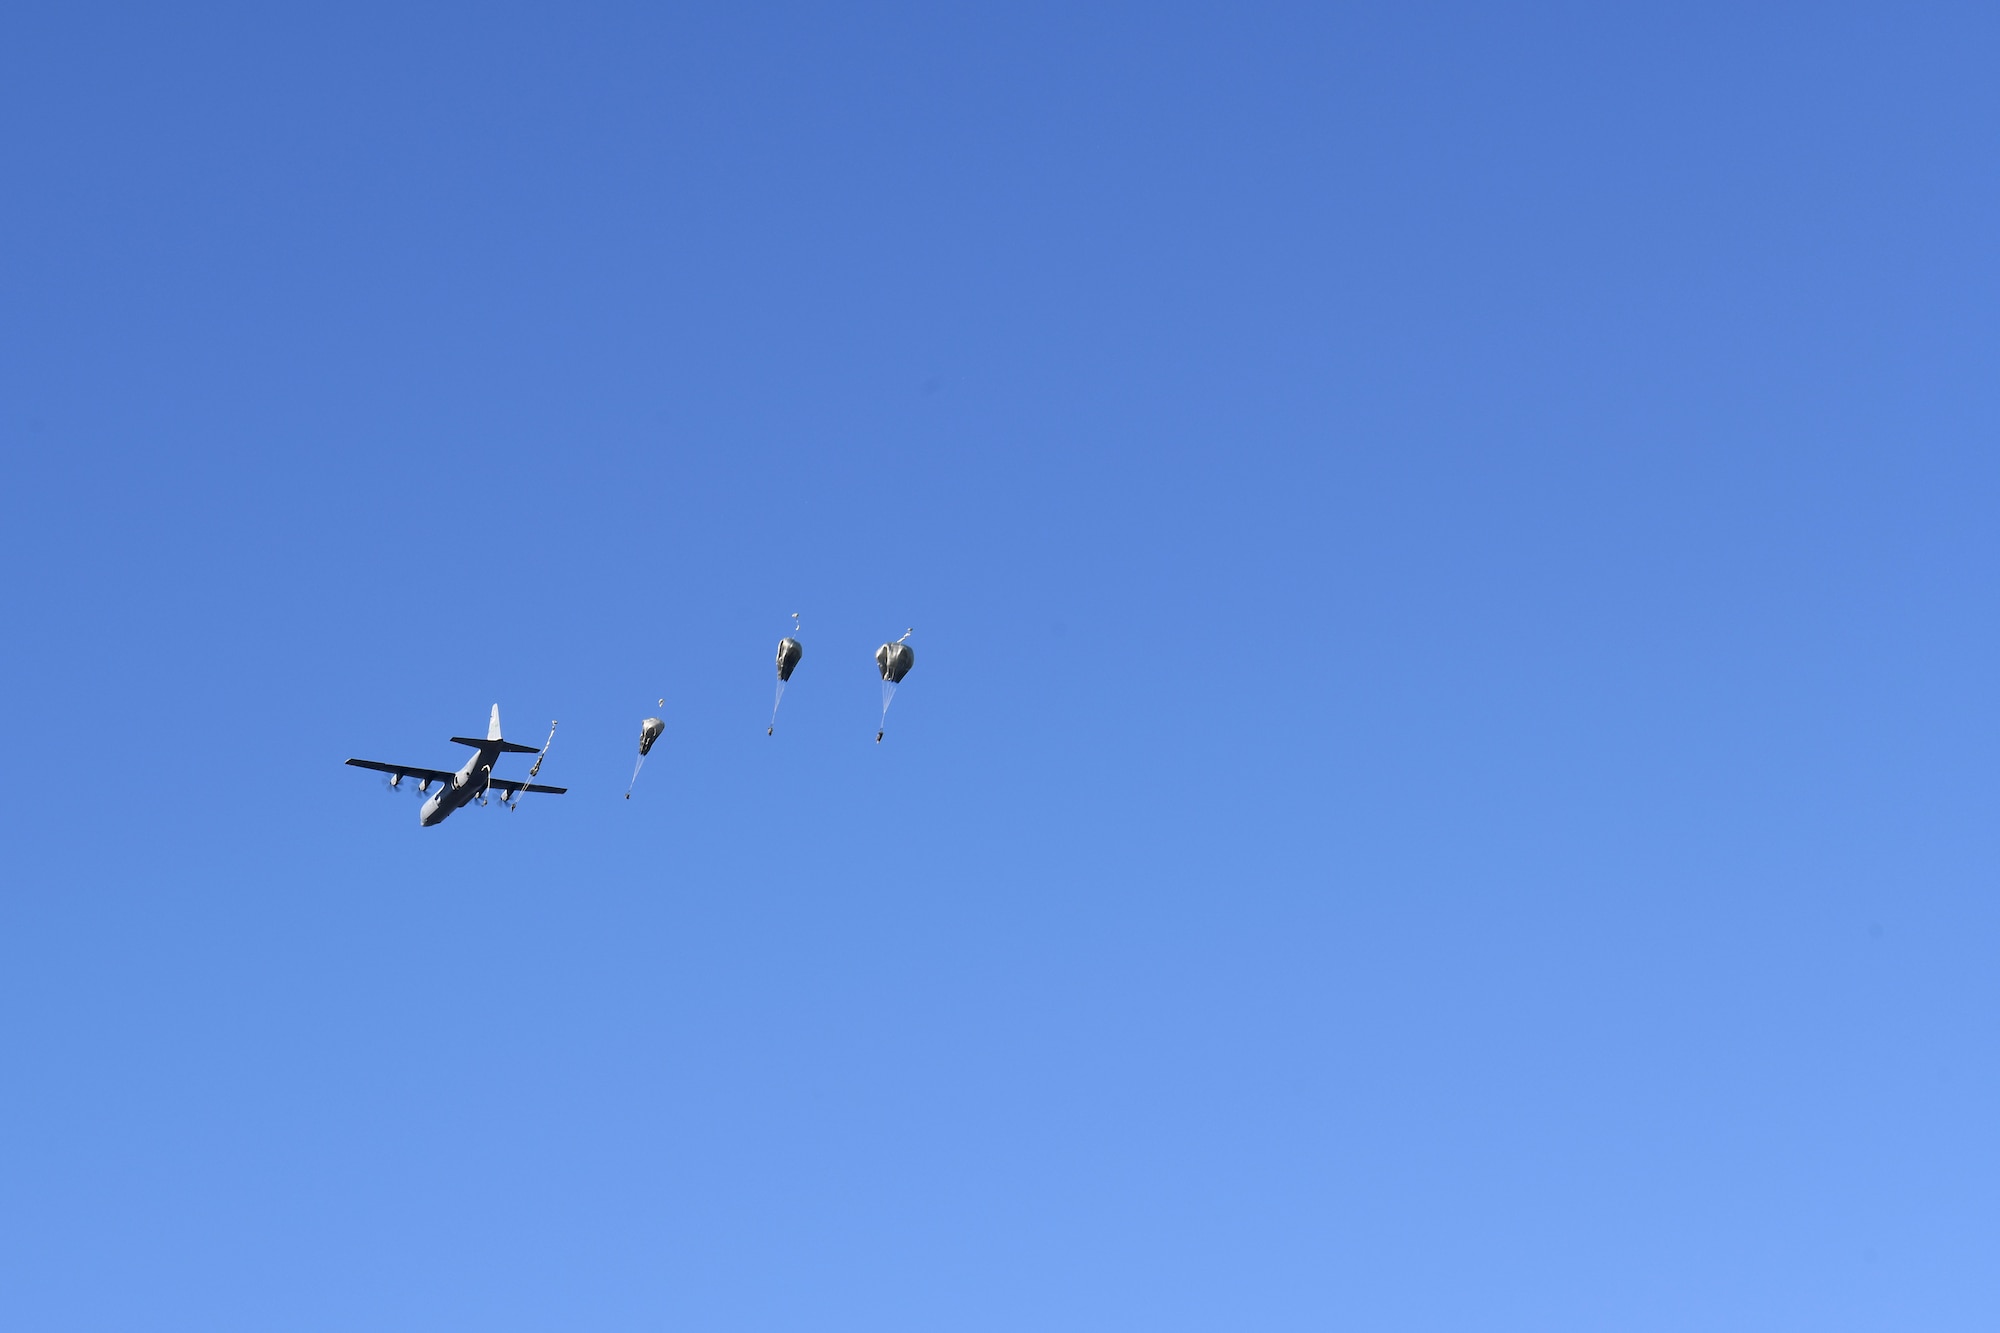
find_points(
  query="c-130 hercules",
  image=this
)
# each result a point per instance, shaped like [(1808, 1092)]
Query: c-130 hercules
[(472, 782)]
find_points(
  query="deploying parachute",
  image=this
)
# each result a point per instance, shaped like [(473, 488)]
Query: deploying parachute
[(649, 731), (894, 661), (515, 804), (790, 650)]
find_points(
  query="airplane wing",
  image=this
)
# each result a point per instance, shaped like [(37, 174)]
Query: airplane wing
[(507, 787), (405, 771)]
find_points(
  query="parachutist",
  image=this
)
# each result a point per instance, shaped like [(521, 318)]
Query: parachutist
[(790, 650), (649, 731), (894, 661)]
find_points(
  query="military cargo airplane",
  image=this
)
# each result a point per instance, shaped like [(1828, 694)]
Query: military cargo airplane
[(470, 783)]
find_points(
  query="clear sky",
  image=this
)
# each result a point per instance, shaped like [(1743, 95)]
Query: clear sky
[(1449, 779)]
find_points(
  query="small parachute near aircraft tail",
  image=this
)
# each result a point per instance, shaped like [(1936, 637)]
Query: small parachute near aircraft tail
[(894, 661), (790, 650), (536, 768), (649, 731)]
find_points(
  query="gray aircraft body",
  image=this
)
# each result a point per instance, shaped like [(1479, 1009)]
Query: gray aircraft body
[(470, 783)]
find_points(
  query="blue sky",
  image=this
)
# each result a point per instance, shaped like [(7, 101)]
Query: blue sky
[(1448, 780)]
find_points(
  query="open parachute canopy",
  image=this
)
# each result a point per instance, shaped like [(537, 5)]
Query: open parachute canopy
[(894, 661)]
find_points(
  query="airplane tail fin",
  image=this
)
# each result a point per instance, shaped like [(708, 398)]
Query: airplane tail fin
[(493, 739)]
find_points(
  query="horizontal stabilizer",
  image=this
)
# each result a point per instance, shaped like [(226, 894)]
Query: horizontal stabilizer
[(504, 747), (509, 787)]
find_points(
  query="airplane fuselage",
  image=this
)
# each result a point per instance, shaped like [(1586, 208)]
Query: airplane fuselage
[(465, 787)]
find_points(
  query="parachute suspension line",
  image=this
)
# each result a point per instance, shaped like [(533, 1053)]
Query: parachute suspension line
[(888, 696), (780, 698), (635, 777), (536, 768)]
